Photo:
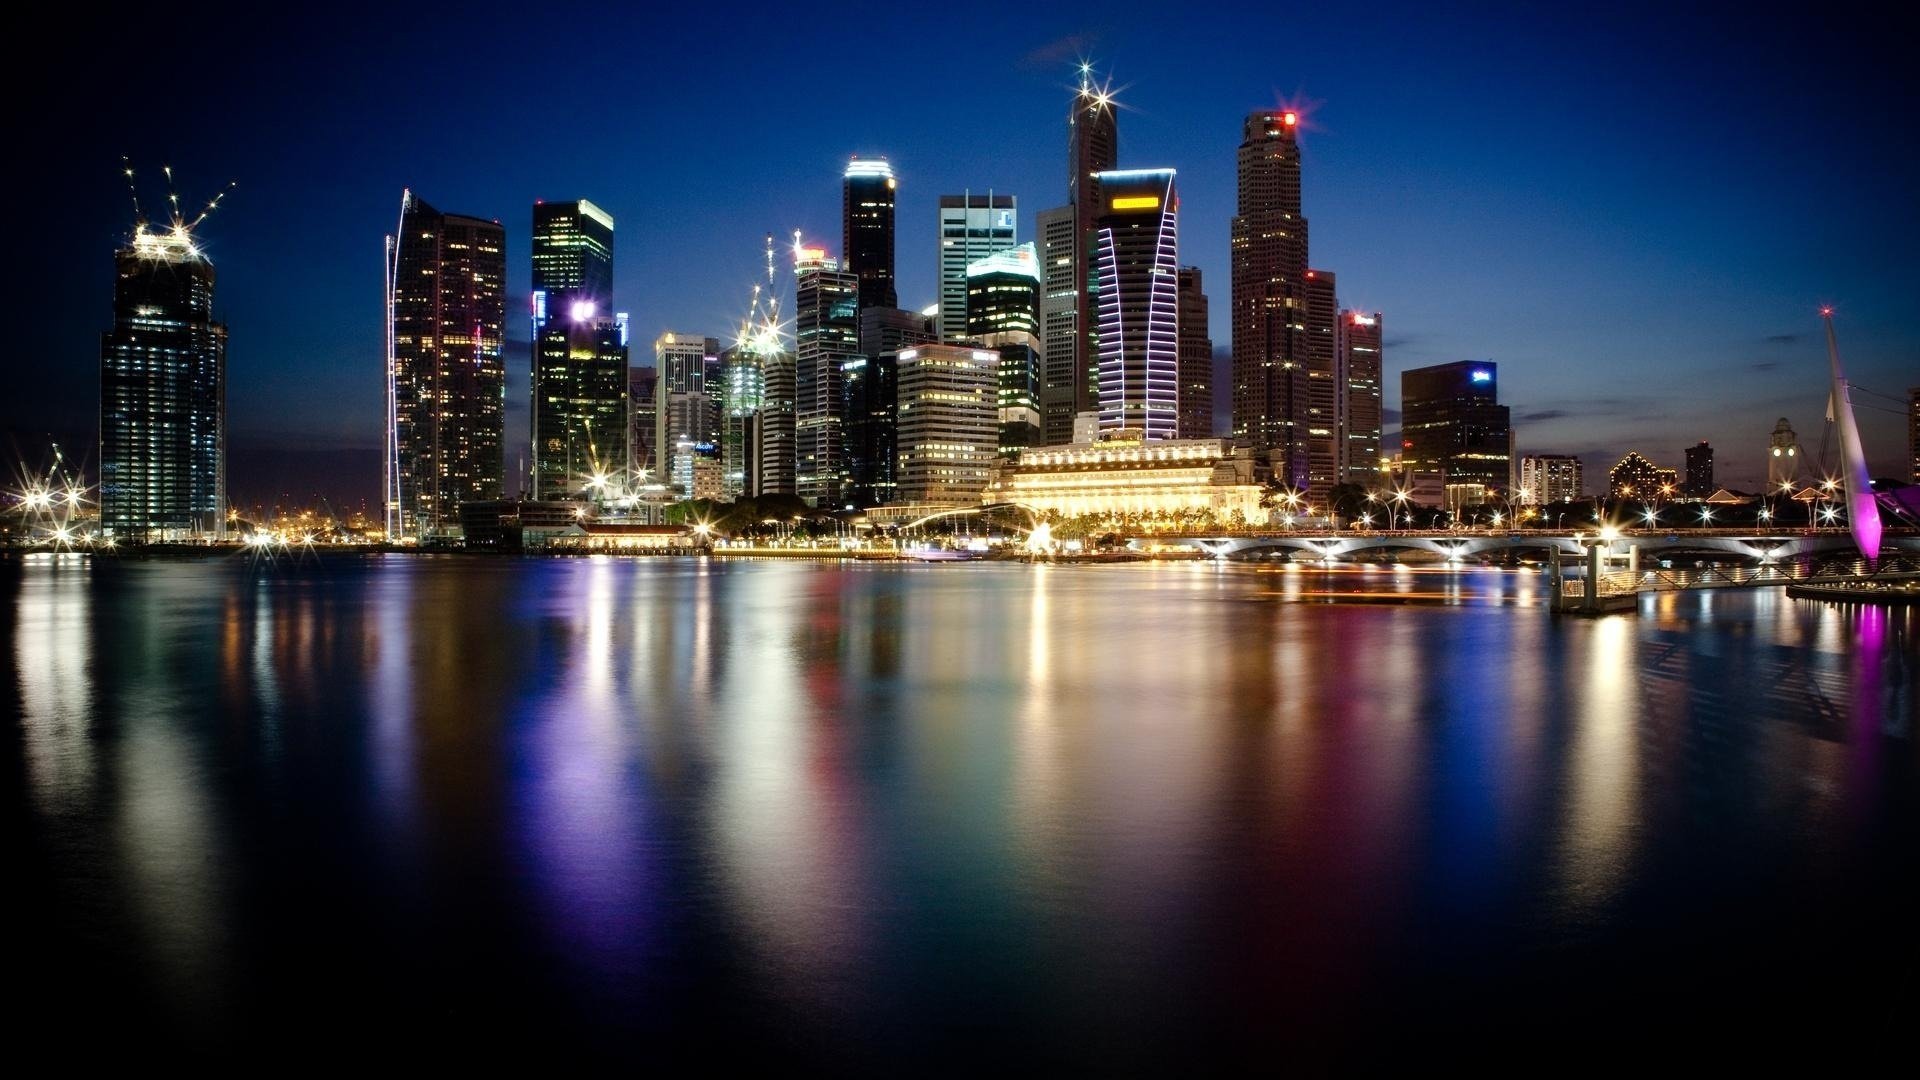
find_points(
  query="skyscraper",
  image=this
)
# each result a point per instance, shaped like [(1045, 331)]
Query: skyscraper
[(1003, 314), (743, 393), (1093, 146), (163, 393), (773, 430), (826, 327), (643, 422), (872, 390), (579, 354), (1196, 359), (972, 227), (1699, 478), (1360, 380), (687, 406), (947, 429), (1269, 260), (1322, 418), (1136, 265), (1060, 289), (866, 229), (448, 374), (1783, 457), (1550, 478), (1453, 423), (1913, 429)]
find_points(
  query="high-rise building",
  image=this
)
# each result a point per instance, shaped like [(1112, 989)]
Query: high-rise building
[(642, 422), (947, 424), (1093, 147), (1136, 268), (1699, 481), (1550, 478), (163, 394), (972, 227), (1452, 422), (888, 330), (1065, 376), (688, 405), (826, 327), (1269, 260), (447, 387), (871, 387), (1196, 359), (1322, 439), (866, 229), (1635, 477), (742, 395), (1359, 363), (1003, 314), (772, 432), (579, 354), (1783, 457)]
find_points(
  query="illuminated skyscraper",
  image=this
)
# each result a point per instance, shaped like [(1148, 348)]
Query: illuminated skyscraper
[(687, 405), (1699, 477), (1003, 314), (1453, 423), (1322, 419), (1269, 259), (1059, 321), (1360, 374), (1913, 429), (448, 384), (773, 431), (743, 393), (163, 394), (948, 432), (872, 389), (866, 223), (1550, 478), (579, 354), (1136, 267), (972, 227), (1093, 146), (826, 327), (1196, 359)]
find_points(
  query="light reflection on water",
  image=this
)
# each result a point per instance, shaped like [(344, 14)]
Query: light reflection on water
[(1112, 805)]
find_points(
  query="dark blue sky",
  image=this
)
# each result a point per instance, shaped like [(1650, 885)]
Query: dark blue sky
[(1635, 214)]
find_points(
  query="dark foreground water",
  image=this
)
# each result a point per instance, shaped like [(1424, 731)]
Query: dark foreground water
[(943, 816)]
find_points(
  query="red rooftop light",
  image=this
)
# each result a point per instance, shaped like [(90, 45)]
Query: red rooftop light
[(1290, 118)]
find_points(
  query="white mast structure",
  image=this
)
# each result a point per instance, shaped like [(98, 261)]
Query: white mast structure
[(1863, 514), (390, 489)]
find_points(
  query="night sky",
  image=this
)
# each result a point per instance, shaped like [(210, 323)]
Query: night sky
[(1636, 215)]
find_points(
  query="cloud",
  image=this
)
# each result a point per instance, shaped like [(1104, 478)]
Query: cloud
[(1763, 365), (1541, 415), (1389, 416), (1400, 342), (1056, 53), (1783, 339)]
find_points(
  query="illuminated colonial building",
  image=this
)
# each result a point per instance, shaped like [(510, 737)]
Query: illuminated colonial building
[(866, 229), (447, 392), (1136, 283), (1130, 476), (1783, 457), (163, 394), (947, 424)]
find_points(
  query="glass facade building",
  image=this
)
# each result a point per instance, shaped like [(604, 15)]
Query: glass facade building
[(1136, 267), (866, 215), (580, 399)]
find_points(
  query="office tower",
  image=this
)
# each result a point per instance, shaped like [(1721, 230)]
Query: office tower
[(1699, 481), (642, 424), (1550, 478), (773, 443), (870, 384), (1453, 423), (1136, 265), (888, 330), (163, 394), (1321, 325), (1783, 457), (826, 329), (1093, 147), (687, 413), (947, 425), (1360, 381), (743, 393), (1634, 477), (972, 227), (1003, 314), (1060, 291), (1269, 260), (579, 354), (1196, 359), (448, 372), (866, 229)]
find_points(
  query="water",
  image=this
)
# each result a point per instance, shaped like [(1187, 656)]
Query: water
[(851, 813)]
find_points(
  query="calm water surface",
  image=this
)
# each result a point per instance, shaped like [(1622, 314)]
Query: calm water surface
[(850, 813)]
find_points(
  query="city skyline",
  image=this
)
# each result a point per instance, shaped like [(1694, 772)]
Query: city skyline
[(1730, 360)]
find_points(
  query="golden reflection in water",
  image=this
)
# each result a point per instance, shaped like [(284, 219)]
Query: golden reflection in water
[(53, 655), (1597, 834)]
